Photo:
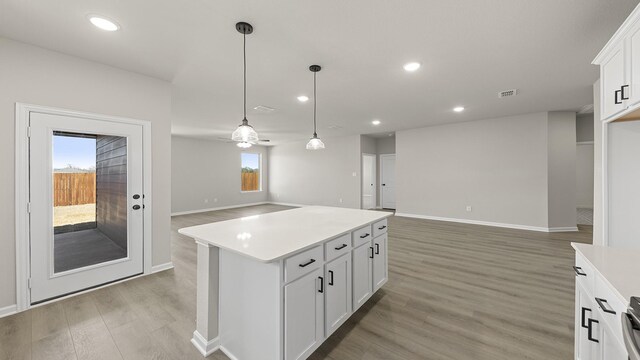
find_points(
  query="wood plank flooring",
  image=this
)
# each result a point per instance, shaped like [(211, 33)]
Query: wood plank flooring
[(455, 292)]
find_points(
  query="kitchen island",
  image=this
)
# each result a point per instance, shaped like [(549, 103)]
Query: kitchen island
[(275, 286)]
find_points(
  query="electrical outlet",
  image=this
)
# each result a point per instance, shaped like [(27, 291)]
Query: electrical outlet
[(354, 174), (206, 201), (469, 208), (215, 199)]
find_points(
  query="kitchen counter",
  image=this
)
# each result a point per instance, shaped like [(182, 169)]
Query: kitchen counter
[(273, 236), (618, 267)]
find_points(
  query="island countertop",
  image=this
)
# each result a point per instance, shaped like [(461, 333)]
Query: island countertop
[(273, 236)]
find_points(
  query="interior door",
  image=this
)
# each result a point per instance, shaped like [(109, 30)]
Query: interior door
[(86, 198), (368, 181), (387, 180)]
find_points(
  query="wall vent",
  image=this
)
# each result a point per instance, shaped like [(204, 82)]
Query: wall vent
[(264, 108), (507, 93)]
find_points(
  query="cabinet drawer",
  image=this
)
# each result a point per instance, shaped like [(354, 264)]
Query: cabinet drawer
[(609, 306), (305, 262), (337, 247), (379, 228), (585, 275), (362, 235)]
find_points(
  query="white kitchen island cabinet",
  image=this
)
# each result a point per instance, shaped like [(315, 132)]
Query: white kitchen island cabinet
[(275, 286)]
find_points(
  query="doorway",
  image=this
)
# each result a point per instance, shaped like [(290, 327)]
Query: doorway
[(368, 181), (86, 213), (387, 181)]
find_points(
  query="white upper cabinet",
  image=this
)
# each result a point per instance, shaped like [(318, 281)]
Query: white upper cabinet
[(619, 63)]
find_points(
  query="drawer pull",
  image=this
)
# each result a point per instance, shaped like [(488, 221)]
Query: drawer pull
[(382, 227), (321, 284), (377, 249), (579, 271), (308, 263), (331, 277), (584, 310), (601, 303), (364, 236), (371, 248), (622, 94), (341, 247), (590, 331)]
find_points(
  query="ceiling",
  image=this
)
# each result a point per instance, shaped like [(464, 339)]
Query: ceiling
[(469, 51)]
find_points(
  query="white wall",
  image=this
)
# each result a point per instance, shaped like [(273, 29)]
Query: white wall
[(386, 145), (497, 166), (562, 169), (320, 177), (204, 170), (33, 75)]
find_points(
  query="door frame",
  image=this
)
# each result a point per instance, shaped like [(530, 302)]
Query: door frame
[(22, 228), (380, 157), (374, 180)]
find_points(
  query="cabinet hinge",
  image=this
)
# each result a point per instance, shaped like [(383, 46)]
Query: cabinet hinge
[(29, 131), (29, 208), (29, 283)]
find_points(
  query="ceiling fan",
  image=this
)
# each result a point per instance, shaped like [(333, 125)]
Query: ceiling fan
[(243, 144)]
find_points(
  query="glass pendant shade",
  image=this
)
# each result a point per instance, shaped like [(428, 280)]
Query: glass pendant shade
[(244, 144), (315, 144), (245, 133)]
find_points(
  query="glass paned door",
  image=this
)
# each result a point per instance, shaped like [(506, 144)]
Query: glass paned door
[(86, 203)]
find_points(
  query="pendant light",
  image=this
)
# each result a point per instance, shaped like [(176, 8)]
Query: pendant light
[(315, 143), (245, 132)]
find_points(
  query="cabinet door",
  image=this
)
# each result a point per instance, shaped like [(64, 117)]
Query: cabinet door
[(609, 347), (633, 92), (613, 78), (362, 274), (338, 295), (585, 310), (380, 269), (303, 315)]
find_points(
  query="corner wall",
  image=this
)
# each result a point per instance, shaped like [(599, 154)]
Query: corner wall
[(562, 170)]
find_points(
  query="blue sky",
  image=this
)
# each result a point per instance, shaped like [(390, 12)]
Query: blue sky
[(250, 160), (79, 152)]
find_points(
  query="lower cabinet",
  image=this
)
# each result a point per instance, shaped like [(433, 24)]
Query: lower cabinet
[(585, 325), (303, 315), (338, 293), (380, 269), (362, 274)]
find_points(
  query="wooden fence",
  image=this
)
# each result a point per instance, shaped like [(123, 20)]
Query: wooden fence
[(74, 189), (250, 181)]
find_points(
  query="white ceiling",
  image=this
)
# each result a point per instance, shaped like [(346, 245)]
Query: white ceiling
[(469, 50)]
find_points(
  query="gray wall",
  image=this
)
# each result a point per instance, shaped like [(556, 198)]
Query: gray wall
[(33, 75), (321, 177), (584, 175), (497, 166), (111, 188), (386, 145), (203, 171), (562, 169), (584, 128)]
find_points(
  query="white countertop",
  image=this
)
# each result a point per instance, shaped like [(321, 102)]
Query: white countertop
[(619, 267), (273, 236)]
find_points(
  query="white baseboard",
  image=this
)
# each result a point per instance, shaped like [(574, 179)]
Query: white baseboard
[(228, 353), (205, 347), (484, 223), (563, 229), (161, 267), (8, 310), (218, 208)]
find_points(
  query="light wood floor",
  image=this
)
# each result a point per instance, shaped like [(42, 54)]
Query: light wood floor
[(455, 292)]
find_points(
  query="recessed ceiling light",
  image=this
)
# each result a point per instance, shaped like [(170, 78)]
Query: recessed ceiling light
[(412, 66), (303, 98), (103, 23), (458, 109), (376, 122)]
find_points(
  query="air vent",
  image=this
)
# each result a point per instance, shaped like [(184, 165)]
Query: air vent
[(334, 127), (507, 93), (264, 108)]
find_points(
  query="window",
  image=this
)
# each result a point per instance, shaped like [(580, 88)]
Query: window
[(250, 173)]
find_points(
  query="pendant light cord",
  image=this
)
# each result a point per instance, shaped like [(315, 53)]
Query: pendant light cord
[(315, 134), (244, 53)]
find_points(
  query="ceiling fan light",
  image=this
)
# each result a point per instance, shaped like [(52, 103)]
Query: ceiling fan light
[(315, 144), (244, 145), (245, 133)]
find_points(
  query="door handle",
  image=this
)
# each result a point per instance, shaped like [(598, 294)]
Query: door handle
[(590, 330), (384, 184), (615, 96), (136, 196), (136, 207), (622, 92), (584, 310), (371, 248), (331, 277), (321, 284), (377, 249), (601, 303)]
